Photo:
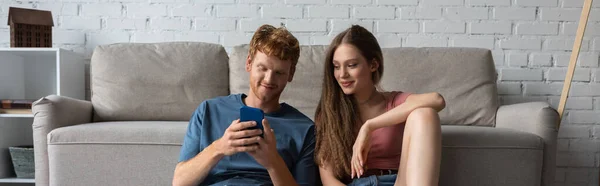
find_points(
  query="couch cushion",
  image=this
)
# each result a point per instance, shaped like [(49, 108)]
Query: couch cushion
[(466, 78), (156, 81), (115, 153), (126, 132), (490, 156), (489, 137), (303, 92)]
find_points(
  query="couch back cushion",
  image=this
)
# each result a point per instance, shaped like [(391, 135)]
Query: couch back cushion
[(464, 76), (303, 92), (156, 81)]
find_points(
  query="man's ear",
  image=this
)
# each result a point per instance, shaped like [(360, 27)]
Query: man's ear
[(374, 65), (292, 72), (248, 64)]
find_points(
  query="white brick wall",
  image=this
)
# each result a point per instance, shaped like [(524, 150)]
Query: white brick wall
[(466, 13), (530, 40), (5, 39), (559, 74), (478, 42), (585, 90), (374, 13), (537, 28), (204, 24), (87, 23), (126, 23), (328, 12), (520, 43), (502, 13), (554, 14), (201, 10), (562, 44), (491, 28), (521, 74), (146, 10), (551, 3), (488, 2), (69, 37), (339, 25), (443, 27), (541, 60), (542, 89), (422, 41), (517, 59), (420, 13), (509, 88), (397, 2), (441, 2), (110, 10), (282, 12), (233, 11), (181, 24), (584, 117), (397, 26), (575, 103)]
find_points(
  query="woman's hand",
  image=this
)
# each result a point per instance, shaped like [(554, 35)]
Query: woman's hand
[(360, 150)]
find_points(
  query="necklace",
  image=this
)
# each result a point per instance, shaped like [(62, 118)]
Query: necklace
[(375, 93)]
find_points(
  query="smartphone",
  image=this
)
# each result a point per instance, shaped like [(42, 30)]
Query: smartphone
[(252, 114)]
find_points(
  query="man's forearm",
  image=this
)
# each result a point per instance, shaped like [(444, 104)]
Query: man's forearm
[(280, 174), (195, 170)]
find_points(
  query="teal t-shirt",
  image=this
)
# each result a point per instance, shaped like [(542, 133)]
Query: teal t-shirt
[(295, 134)]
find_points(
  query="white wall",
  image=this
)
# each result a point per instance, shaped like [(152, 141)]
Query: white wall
[(531, 42)]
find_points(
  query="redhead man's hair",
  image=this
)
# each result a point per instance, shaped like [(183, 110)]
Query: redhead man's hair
[(277, 42)]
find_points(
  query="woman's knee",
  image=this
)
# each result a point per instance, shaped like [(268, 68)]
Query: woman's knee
[(423, 119), (424, 114)]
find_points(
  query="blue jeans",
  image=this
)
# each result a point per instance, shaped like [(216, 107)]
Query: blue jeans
[(239, 181), (385, 180)]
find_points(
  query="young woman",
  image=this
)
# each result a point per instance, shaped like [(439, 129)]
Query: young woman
[(366, 136)]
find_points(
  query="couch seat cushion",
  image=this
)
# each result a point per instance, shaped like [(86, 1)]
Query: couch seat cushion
[(488, 137), (490, 156), (129, 132)]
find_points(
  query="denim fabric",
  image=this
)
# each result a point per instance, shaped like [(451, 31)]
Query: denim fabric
[(242, 180), (385, 180)]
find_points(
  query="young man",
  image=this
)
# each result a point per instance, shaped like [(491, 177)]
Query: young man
[(217, 151)]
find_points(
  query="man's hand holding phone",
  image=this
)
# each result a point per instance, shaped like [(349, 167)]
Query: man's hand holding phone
[(266, 154), (239, 137)]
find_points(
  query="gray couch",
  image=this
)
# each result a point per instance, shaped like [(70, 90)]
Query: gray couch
[(131, 131)]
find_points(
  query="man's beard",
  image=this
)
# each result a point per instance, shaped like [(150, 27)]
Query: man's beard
[(265, 97)]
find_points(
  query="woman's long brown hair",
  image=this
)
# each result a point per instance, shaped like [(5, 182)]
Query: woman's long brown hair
[(337, 114)]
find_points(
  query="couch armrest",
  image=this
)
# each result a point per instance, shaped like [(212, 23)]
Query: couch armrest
[(538, 118), (49, 113)]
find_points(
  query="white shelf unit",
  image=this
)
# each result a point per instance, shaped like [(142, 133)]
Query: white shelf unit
[(32, 73), (16, 180)]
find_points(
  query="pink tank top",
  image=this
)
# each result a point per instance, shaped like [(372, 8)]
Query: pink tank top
[(386, 143)]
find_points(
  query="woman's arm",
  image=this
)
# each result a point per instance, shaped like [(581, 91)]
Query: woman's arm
[(327, 177), (400, 113)]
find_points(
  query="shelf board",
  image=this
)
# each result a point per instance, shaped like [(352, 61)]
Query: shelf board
[(49, 53), (30, 49), (17, 180), (16, 115)]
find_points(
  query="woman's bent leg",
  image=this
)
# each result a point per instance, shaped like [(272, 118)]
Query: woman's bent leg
[(421, 149)]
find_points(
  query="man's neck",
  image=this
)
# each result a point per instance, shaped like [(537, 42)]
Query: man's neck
[(268, 107)]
